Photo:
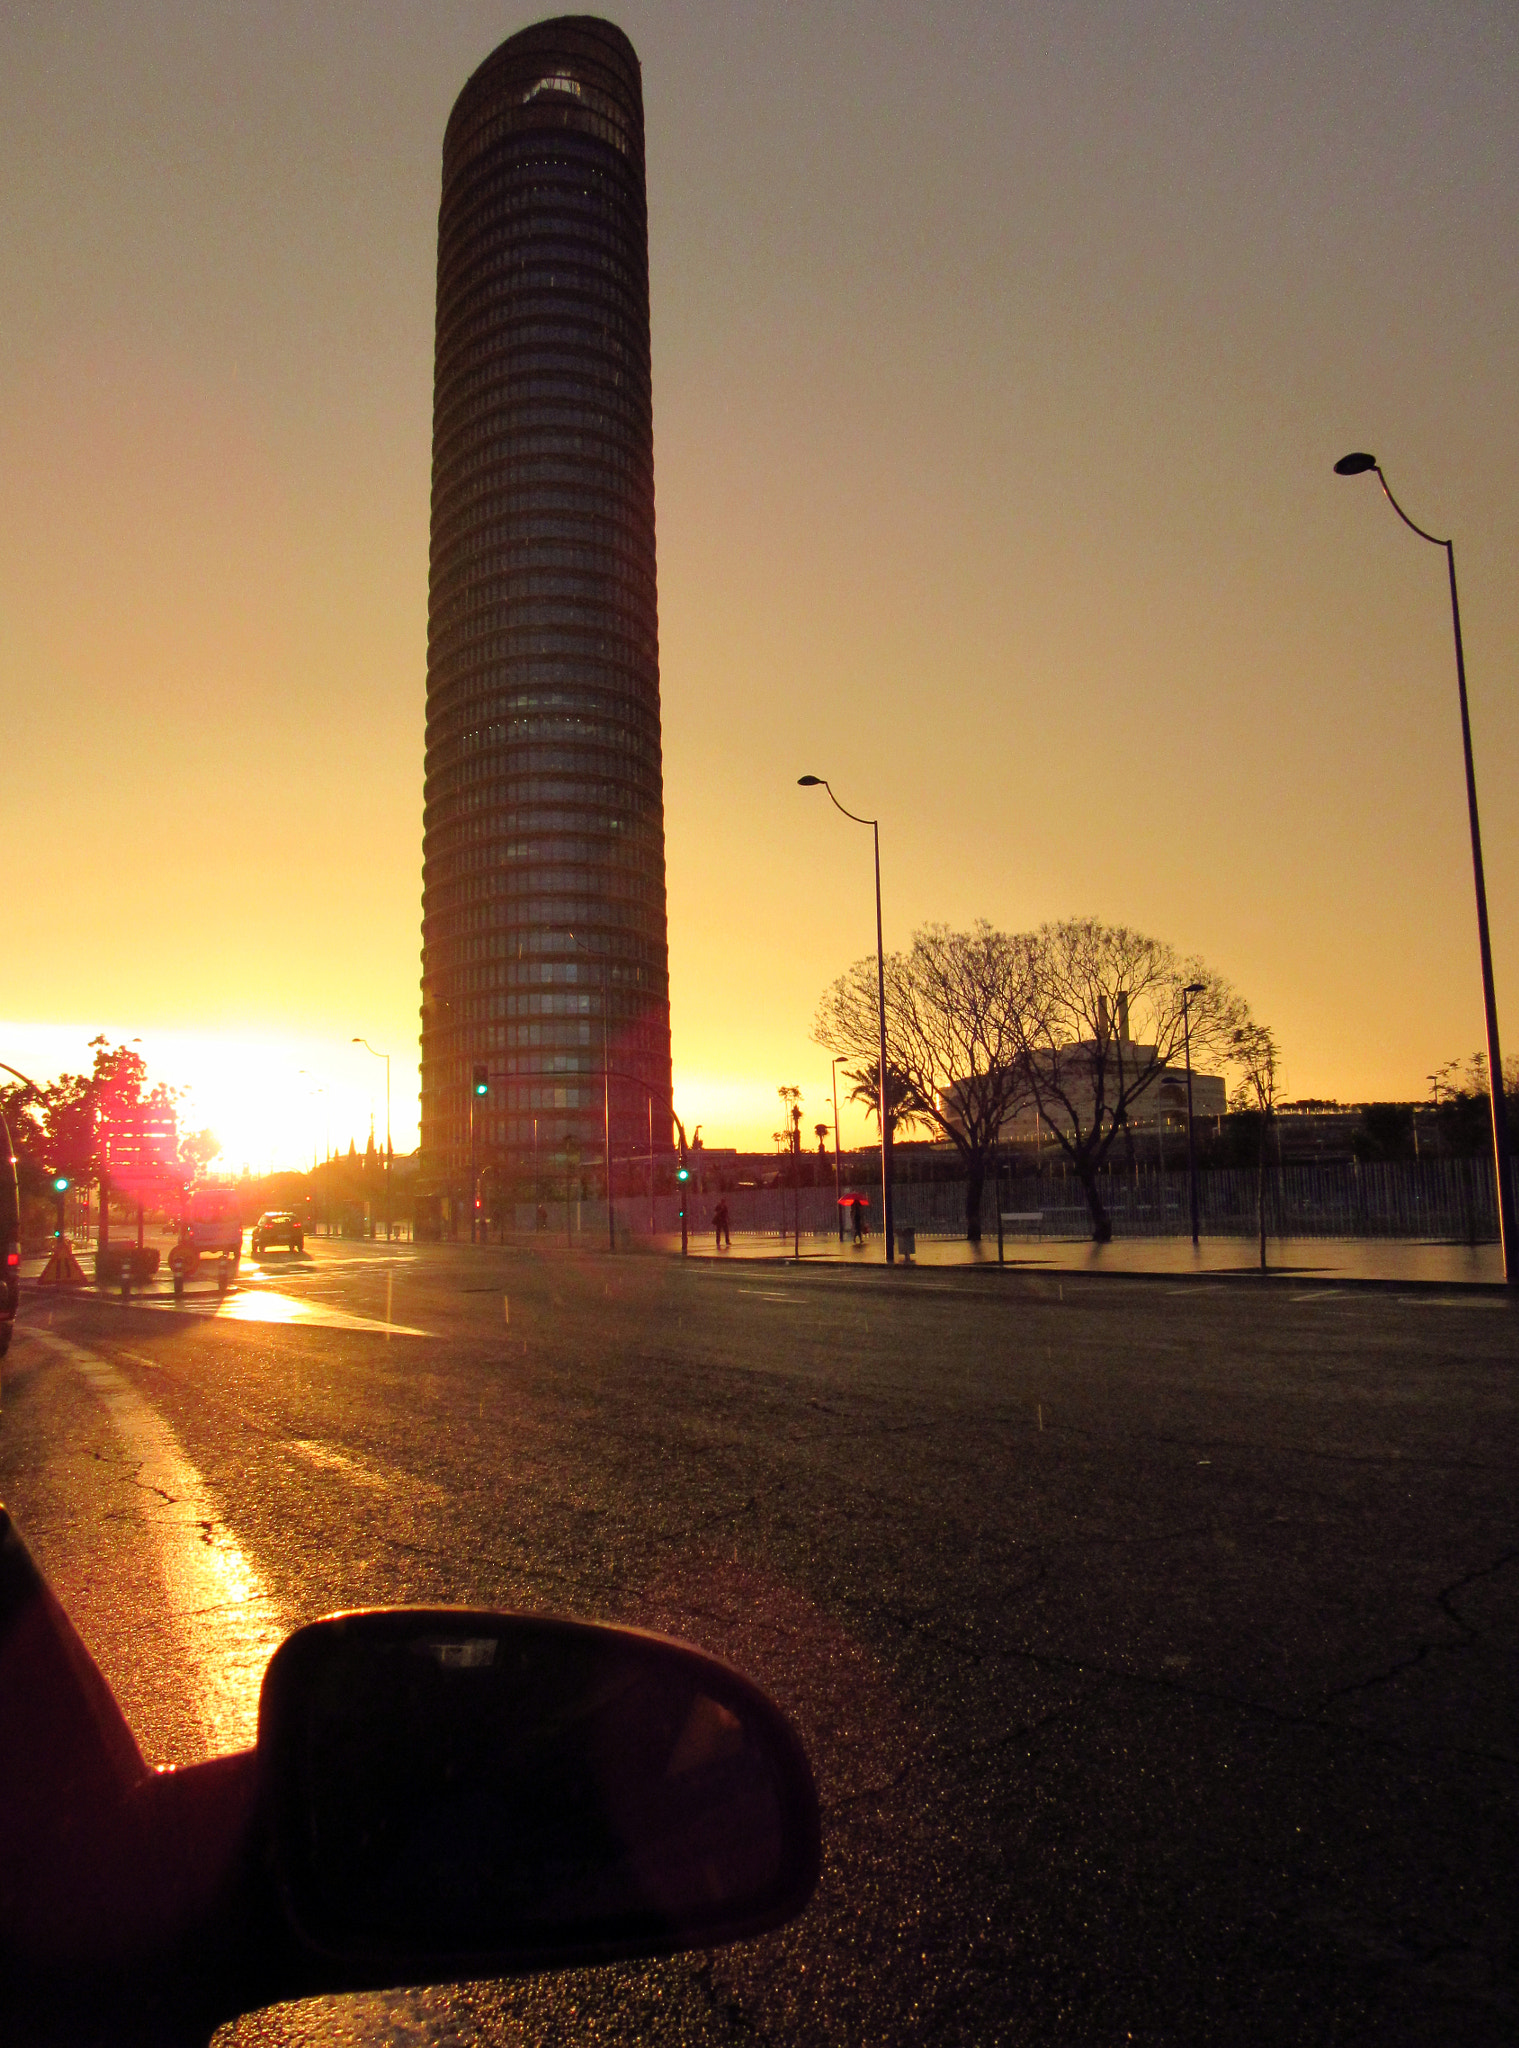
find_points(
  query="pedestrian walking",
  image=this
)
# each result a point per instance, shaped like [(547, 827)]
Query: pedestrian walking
[(720, 1228)]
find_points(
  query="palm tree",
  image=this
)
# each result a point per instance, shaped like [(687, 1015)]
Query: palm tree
[(903, 1105)]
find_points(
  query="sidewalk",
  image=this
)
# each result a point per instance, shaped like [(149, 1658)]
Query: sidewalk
[(1323, 1259), (1388, 1261)]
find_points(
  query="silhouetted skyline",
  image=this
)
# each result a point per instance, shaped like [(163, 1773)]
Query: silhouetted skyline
[(1001, 358)]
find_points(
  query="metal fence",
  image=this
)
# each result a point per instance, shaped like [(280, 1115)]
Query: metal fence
[(1446, 1199), (1449, 1199)]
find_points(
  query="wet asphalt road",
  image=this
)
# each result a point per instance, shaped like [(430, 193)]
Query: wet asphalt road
[(1157, 1646)]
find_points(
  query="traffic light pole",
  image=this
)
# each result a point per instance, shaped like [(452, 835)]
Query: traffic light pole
[(480, 1086), (683, 1181), (683, 1171)]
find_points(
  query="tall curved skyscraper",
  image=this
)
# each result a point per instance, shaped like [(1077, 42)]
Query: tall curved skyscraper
[(543, 872)]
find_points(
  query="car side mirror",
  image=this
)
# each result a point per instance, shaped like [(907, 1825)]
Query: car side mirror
[(448, 1791)]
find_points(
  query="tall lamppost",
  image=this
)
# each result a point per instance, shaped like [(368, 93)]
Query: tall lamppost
[(838, 1169), (820, 782), (1357, 465), (1193, 988), (385, 1056)]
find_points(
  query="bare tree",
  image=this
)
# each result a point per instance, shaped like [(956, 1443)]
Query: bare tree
[(1254, 1050), (951, 1058), (1096, 1014)]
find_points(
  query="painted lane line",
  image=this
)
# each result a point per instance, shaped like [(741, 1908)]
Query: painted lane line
[(225, 1617), (326, 1459), (263, 1305), (1493, 1300), (393, 1482)]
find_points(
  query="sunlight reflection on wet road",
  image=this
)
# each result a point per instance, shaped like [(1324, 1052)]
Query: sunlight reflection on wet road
[(227, 1621), (264, 1305)]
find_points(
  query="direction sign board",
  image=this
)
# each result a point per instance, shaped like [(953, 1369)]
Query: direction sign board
[(139, 1149)]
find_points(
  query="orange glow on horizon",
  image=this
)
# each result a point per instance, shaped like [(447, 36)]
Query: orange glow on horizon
[(993, 484)]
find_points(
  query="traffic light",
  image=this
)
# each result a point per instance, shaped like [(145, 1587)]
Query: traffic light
[(60, 1183), (482, 1078), (682, 1172)]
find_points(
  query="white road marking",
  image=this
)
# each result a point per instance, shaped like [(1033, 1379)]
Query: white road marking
[(228, 1622), (1493, 1300), (263, 1305), (326, 1459), (136, 1358)]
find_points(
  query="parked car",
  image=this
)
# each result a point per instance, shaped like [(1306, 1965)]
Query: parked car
[(278, 1226)]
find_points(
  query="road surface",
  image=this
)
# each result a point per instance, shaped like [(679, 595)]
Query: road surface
[(1155, 1643)]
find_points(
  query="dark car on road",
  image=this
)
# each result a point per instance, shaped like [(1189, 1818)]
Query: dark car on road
[(10, 1239), (278, 1226)]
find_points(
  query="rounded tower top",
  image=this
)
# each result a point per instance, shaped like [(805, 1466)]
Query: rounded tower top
[(575, 72)]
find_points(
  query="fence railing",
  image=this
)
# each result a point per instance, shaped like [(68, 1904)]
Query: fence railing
[(1449, 1199)]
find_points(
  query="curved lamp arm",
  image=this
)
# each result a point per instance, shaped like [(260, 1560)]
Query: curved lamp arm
[(1357, 465), (821, 782)]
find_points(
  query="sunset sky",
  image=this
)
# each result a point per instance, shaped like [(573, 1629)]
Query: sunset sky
[(1001, 355)]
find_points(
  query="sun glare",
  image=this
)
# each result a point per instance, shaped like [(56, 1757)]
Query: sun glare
[(271, 1102)]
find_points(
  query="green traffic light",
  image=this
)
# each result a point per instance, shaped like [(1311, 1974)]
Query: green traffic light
[(60, 1185), (682, 1173)]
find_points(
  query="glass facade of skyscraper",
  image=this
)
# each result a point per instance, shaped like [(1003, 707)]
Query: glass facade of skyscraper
[(543, 905)]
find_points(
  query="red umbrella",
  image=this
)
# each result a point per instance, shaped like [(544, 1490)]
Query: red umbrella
[(855, 1201)]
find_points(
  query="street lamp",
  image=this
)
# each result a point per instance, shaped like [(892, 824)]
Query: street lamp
[(385, 1056), (1193, 988), (838, 1169), (820, 782), (1357, 465)]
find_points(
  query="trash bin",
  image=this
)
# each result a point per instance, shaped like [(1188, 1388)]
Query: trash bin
[(117, 1261), (907, 1243)]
